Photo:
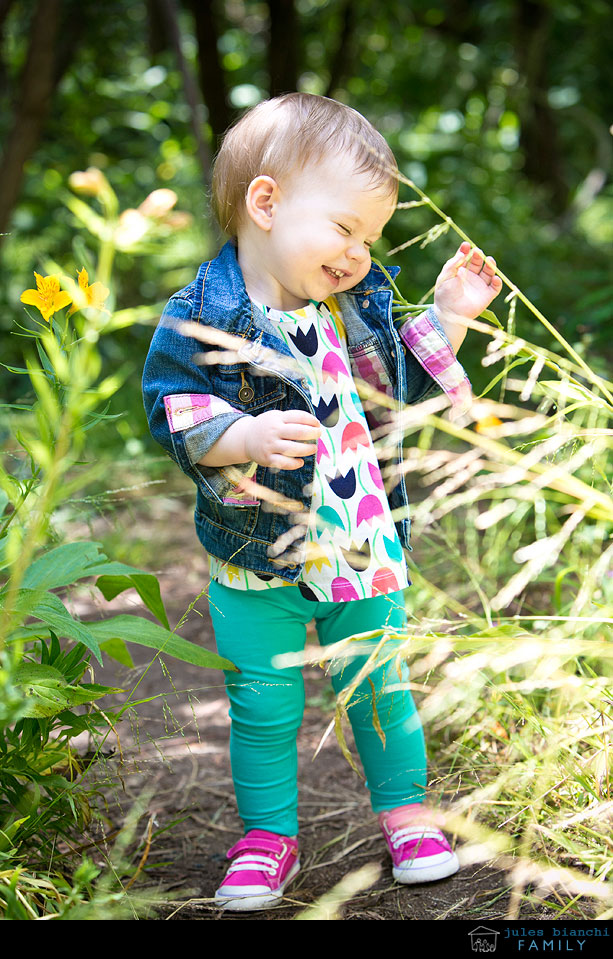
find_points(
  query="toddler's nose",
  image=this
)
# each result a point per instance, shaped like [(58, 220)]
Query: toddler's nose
[(357, 251)]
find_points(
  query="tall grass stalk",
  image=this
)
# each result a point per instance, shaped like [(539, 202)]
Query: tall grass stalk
[(511, 615)]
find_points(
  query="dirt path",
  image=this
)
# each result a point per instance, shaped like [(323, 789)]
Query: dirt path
[(176, 748)]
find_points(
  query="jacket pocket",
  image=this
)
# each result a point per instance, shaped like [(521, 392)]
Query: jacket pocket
[(246, 391), (216, 523), (239, 495)]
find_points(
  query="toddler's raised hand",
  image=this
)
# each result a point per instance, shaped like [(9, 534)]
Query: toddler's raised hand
[(282, 438), (466, 285)]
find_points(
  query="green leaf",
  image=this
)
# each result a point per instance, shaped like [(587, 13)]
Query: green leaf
[(134, 629), (117, 650), (128, 317), (73, 561), (7, 833), (501, 631), (94, 223), (503, 373), (146, 586), (50, 610), (340, 714), (491, 316), (63, 565), (570, 391), (47, 693), (14, 369), (96, 690), (44, 360)]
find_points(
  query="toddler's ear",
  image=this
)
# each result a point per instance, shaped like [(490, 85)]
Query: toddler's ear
[(261, 199)]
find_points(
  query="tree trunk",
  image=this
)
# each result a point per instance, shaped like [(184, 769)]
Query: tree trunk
[(169, 11), (38, 82), (341, 59), (283, 48), (212, 76), (539, 135), (4, 9)]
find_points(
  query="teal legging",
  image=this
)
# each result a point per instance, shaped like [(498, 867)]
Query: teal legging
[(267, 699)]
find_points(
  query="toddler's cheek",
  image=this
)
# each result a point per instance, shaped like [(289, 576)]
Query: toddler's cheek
[(359, 275)]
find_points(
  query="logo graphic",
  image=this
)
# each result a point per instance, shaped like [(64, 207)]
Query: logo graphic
[(483, 939)]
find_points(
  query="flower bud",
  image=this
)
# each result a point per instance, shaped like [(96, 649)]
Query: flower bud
[(158, 203), (90, 182), (178, 220), (131, 227)]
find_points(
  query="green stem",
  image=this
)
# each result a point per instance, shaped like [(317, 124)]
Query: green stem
[(35, 535), (105, 262)]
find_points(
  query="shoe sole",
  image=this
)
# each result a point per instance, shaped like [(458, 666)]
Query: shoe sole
[(417, 874), (255, 903)]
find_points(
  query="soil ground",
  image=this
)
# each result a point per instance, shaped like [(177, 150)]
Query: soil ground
[(174, 749)]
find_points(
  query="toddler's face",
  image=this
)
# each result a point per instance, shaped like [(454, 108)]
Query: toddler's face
[(323, 224)]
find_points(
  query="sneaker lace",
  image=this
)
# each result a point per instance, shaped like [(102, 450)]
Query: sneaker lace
[(252, 862), (415, 833)]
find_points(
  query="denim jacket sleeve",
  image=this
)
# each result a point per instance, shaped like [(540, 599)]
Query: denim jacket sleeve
[(184, 417)]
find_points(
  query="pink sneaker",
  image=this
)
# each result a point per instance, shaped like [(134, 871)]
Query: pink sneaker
[(265, 864), (419, 850)]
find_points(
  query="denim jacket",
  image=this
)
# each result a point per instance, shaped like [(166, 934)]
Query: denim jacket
[(408, 362)]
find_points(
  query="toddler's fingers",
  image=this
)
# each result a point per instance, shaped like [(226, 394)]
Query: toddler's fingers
[(475, 261), (463, 251), (457, 261), (302, 432), (288, 448), (279, 462), (489, 267), (489, 274), (301, 416)]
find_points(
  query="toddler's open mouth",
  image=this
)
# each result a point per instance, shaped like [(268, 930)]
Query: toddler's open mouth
[(335, 274)]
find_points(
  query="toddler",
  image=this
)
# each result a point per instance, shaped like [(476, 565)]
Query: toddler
[(291, 504)]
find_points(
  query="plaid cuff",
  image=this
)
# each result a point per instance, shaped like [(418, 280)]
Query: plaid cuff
[(425, 339), (188, 409)]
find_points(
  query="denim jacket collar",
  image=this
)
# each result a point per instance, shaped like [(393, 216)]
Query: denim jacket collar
[(220, 291)]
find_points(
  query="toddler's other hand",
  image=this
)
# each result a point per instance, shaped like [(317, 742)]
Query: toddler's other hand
[(466, 285), (281, 438)]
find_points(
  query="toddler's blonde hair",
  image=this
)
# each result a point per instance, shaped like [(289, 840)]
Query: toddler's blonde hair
[(288, 133)]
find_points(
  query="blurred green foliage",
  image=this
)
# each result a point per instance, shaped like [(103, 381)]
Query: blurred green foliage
[(455, 87)]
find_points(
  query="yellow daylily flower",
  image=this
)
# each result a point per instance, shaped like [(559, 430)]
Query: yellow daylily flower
[(47, 297), (87, 295)]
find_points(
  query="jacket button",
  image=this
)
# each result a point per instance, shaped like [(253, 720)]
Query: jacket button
[(246, 394), (365, 303)]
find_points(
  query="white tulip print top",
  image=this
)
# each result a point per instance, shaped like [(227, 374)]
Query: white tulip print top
[(352, 548)]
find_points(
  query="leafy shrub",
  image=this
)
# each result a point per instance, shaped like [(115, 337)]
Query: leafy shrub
[(46, 653)]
